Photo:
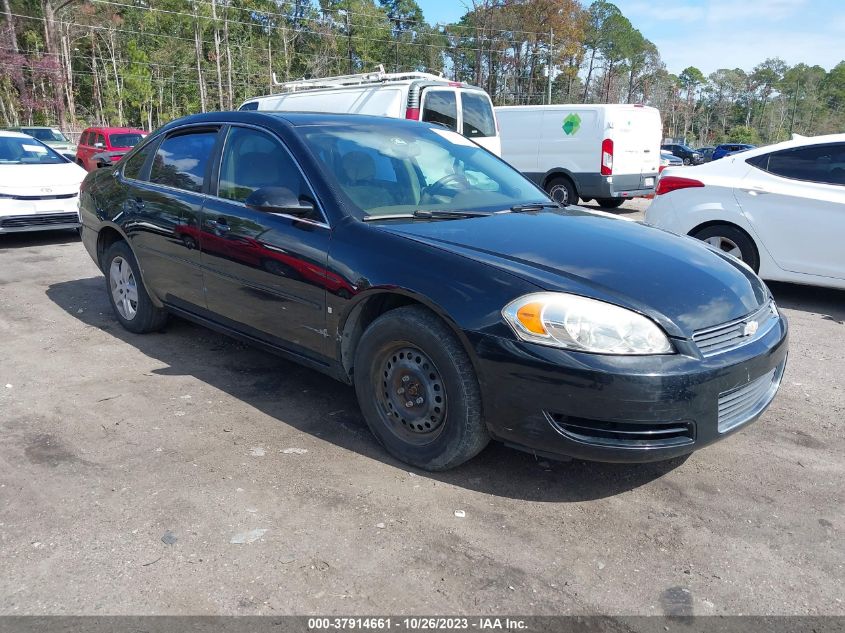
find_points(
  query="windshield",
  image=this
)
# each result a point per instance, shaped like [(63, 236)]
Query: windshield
[(26, 151), (388, 170), (125, 140), (45, 134)]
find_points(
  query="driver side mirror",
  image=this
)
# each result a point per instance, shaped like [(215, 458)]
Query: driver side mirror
[(279, 200)]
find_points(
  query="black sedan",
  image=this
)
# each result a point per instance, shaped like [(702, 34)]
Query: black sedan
[(457, 298)]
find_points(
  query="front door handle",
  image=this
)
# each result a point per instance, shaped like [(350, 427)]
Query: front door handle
[(139, 203), (219, 224), (757, 191)]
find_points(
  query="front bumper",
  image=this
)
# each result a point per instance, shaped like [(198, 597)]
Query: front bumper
[(48, 214), (624, 408)]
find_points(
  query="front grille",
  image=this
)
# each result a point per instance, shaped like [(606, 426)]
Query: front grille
[(44, 219), (739, 405), (62, 196), (627, 435), (733, 334)]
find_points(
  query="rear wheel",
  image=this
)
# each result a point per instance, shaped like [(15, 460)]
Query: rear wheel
[(129, 299), (610, 203), (417, 390), (731, 240), (562, 191)]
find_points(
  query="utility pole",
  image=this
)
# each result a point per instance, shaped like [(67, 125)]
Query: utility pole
[(551, 64)]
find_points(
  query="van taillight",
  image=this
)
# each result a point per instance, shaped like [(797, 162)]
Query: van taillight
[(412, 113), (673, 183), (607, 157)]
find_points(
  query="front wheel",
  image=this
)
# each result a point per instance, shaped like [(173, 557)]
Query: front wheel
[(686, 161), (731, 240), (128, 297), (417, 390)]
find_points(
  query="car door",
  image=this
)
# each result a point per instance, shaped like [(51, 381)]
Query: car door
[(163, 214), (795, 201), (265, 273)]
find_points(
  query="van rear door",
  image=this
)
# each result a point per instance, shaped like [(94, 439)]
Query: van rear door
[(479, 122), (636, 133)]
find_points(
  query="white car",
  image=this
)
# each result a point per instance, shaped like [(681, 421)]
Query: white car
[(39, 188), (780, 208)]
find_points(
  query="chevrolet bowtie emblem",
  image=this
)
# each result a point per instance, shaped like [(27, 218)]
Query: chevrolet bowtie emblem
[(750, 328)]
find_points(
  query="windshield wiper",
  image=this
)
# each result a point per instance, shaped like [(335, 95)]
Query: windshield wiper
[(534, 206), (444, 213)]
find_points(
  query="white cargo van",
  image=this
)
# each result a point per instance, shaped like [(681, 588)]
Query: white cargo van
[(461, 107), (603, 152)]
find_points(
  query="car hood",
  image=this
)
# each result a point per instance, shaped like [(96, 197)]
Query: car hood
[(680, 282), (61, 177)]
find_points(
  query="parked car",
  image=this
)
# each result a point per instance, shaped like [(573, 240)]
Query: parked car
[(728, 148), (102, 146), (780, 209), (51, 137), (39, 188), (688, 155), (606, 152), (458, 299), (418, 96), (706, 152), (668, 159)]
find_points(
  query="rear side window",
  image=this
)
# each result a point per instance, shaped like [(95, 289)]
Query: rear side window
[(135, 163), (250, 105), (83, 140), (441, 106), (818, 163), (478, 115), (181, 160)]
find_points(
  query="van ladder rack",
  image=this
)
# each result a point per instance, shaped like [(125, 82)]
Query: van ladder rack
[(374, 77)]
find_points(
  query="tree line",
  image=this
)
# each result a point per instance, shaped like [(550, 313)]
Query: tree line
[(74, 63)]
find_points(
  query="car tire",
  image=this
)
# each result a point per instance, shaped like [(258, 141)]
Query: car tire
[(610, 203), (686, 161), (418, 391), (731, 240), (128, 297), (562, 191)]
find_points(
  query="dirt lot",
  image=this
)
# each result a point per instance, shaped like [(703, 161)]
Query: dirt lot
[(129, 465)]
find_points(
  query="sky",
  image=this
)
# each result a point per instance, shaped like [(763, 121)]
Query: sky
[(712, 34)]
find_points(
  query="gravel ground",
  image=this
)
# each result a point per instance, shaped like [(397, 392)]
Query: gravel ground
[(184, 473)]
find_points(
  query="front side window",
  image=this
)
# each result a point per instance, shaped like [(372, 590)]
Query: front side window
[(478, 115), (26, 151), (817, 163), (253, 160), (386, 170), (101, 141), (441, 106), (181, 160), (134, 164)]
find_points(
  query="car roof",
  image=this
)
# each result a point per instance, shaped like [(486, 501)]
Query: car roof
[(798, 141), (110, 130), (13, 134), (292, 119)]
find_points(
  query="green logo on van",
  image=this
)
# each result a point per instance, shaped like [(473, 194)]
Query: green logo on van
[(571, 124)]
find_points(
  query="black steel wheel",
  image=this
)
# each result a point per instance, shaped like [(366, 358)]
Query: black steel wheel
[(418, 391)]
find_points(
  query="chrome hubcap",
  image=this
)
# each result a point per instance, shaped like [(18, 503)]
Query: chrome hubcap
[(725, 245), (124, 290), (559, 194), (412, 397)]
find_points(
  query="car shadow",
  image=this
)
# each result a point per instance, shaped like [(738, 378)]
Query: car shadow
[(829, 302), (621, 210), (318, 405), (29, 239)]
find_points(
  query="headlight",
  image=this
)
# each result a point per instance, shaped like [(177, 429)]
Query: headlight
[(587, 325)]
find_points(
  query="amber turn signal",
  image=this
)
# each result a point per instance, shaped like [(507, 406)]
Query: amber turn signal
[(530, 316)]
